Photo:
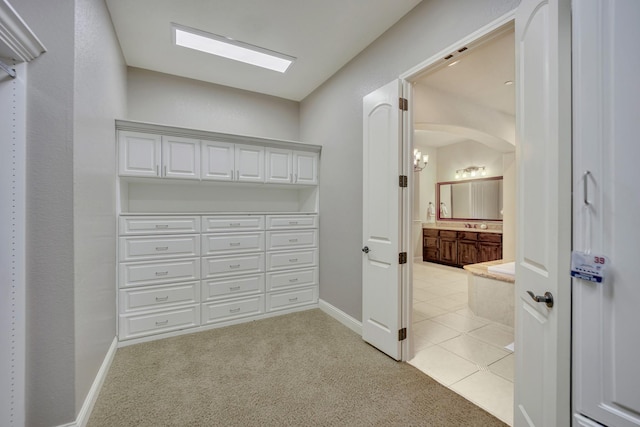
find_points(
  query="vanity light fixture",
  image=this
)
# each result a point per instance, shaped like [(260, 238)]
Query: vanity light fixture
[(508, 83), (453, 63), (229, 48), (471, 172), (419, 161)]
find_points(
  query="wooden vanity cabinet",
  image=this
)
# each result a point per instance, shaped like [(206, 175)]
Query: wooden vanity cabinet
[(459, 248)]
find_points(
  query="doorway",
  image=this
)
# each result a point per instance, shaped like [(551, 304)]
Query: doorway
[(463, 116)]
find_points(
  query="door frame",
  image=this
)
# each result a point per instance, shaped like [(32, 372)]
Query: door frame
[(477, 37)]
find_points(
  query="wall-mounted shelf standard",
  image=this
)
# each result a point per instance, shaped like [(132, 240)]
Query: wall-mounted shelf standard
[(214, 229)]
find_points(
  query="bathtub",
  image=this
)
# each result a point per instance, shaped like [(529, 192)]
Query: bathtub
[(491, 291)]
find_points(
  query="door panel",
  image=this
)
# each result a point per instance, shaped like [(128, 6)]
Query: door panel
[(218, 160), (180, 157), (605, 315), (382, 149), (249, 163), (139, 154), (543, 154)]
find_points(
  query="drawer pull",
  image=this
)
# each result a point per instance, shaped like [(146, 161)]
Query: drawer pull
[(293, 299), (234, 224), (234, 310), (162, 225), (234, 288), (293, 240), (235, 266), (293, 259), (162, 248), (293, 222), (161, 273), (293, 280), (162, 299), (162, 323), (234, 244)]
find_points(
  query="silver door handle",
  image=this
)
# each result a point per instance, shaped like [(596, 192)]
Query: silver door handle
[(547, 298)]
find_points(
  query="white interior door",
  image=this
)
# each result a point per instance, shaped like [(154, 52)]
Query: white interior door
[(543, 155), (381, 221), (605, 315)]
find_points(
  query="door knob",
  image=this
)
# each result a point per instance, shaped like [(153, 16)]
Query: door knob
[(365, 249), (547, 298)]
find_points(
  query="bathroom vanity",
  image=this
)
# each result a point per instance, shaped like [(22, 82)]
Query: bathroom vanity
[(460, 247)]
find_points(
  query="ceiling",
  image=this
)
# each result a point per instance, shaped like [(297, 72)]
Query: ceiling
[(480, 74), (322, 35)]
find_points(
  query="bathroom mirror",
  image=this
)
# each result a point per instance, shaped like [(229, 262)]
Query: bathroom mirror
[(477, 200)]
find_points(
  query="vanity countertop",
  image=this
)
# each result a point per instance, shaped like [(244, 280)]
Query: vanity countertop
[(479, 230), (481, 270)]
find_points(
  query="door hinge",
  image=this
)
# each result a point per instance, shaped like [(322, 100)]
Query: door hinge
[(402, 334), (403, 258), (404, 181), (404, 104)]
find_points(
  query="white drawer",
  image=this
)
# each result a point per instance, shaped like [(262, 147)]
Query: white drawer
[(275, 222), (291, 239), (155, 297), (158, 272), (232, 287), (229, 310), (139, 248), (211, 224), (138, 325), (159, 225), (292, 279), (284, 300), (292, 259), (214, 244), (232, 265)]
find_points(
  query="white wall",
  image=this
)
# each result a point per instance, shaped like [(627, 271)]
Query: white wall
[(99, 97), (332, 117), (509, 208), (176, 101), (464, 154), (50, 338)]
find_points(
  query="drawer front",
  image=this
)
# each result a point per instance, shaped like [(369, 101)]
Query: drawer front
[(231, 265), (431, 232), (158, 272), (292, 259), (291, 239), (275, 222), (155, 297), (138, 325), (159, 225), (448, 234), (229, 310), (292, 279), (284, 300), (232, 287), (213, 244), (490, 237), (212, 224), (139, 248), (467, 235)]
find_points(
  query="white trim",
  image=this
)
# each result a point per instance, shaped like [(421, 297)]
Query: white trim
[(341, 316), (580, 421), (92, 396), (17, 36)]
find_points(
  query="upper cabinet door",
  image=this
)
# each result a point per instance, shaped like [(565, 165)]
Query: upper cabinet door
[(305, 167), (218, 160), (249, 163), (279, 165), (180, 157), (139, 154)]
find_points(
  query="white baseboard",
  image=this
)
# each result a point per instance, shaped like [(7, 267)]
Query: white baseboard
[(341, 317), (94, 391)]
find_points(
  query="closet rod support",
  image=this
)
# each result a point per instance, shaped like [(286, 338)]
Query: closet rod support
[(7, 69)]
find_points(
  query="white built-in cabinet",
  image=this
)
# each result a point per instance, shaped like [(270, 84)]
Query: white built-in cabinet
[(291, 167), (150, 155), (228, 246)]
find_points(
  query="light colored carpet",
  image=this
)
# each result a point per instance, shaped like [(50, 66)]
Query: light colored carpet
[(300, 369)]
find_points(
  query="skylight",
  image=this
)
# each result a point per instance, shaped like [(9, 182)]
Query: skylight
[(231, 49)]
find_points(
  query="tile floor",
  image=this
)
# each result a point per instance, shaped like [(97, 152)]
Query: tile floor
[(461, 351)]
